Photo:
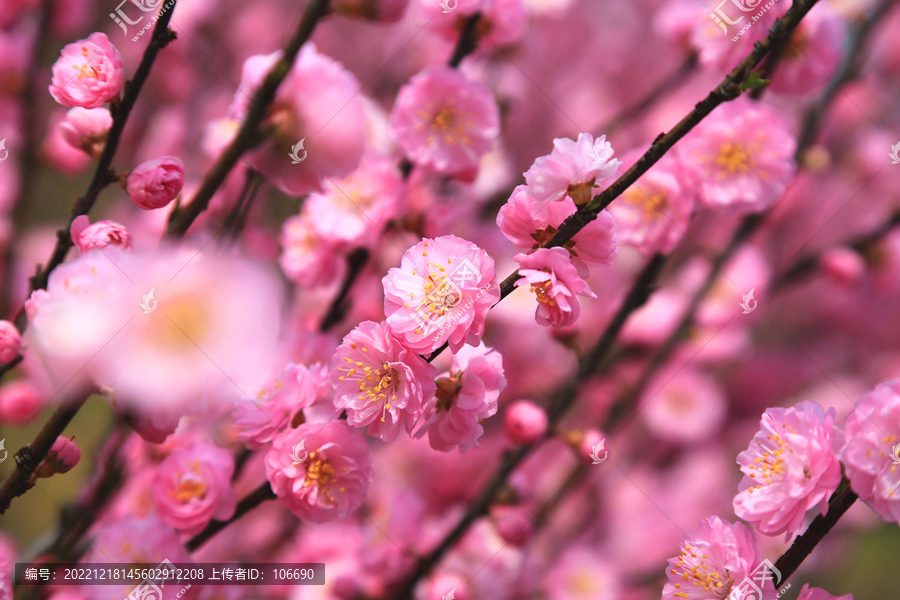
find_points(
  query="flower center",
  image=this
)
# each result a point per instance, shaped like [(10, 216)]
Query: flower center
[(696, 573), (189, 489), (769, 465), (541, 291), (322, 474), (441, 295), (448, 390), (374, 384), (734, 158), (85, 70), (447, 122), (653, 204)]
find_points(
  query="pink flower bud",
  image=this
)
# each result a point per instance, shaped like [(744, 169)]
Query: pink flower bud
[(155, 183), (86, 129), (525, 422), (9, 341), (842, 264), (63, 455), (19, 402), (592, 448), (87, 236), (513, 523), (88, 73)]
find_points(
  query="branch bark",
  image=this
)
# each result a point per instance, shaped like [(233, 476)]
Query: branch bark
[(248, 503)]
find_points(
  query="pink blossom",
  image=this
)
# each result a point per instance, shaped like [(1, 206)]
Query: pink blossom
[(276, 406), (808, 593), (319, 103), (20, 400), (328, 484), (88, 73), (193, 486), (380, 382), (529, 224), (813, 53), (653, 214), (741, 157), (155, 183), (503, 22), (89, 236), (789, 467), (555, 281), (61, 458), (593, 443), (441, 292), (572, 168), (843, 264), (871, 452), (713, 559), (307, 259), (380, 11), (524, 422), (513, 523), (354, 211), (683, 407), (580, 574), (10, 340), (466, 395), (34, 301), (445, 121), (86, 129)]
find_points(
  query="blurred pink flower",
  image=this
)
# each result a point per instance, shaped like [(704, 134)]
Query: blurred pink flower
[(88, 73), (843, 264), (713, 559), (871, 452), (580, 574), (653, 214), (808, 593), (307, 258), (61, 458), (572, 168), (354, 211), (316, 90), (741, 157), (276, 406), (441, 292), (445, 121), (685, 407), (20, 400), (193, 486), (502, 22), (813, 54), (86, 129), (789, 467), (10, 340), (331, 481), (528, 224), (380, 382), (556, 282), (524, 422), (593, 443), (155, 183), (89, 236), (466, 395)]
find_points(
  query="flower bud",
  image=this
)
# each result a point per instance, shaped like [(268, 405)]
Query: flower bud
[(62, 457), (86, 129), (19, 401), (88, 236), (155, 183), (9, 341), (525, 422)]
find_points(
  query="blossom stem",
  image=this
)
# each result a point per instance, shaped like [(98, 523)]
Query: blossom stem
[(246, 504), (726, 91), (248, 135), (468, 40), (31, 455), (636, 297), (120, 112), (356, 260)]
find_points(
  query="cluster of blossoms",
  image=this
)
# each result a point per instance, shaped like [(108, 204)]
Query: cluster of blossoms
[(328, 332)]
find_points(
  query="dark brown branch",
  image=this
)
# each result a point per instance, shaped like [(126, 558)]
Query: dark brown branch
[(728, 90), (468, 40), (636, 297), (30, 456), (356, 260), (248, 503), (248, 135)]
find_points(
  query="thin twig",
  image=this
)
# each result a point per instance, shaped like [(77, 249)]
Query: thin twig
[(356, 260), (248, 503), (468, 40), (30, 456), (248, 135)]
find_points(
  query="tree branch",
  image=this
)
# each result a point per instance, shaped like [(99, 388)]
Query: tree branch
[(248, 135), (248, 503)]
